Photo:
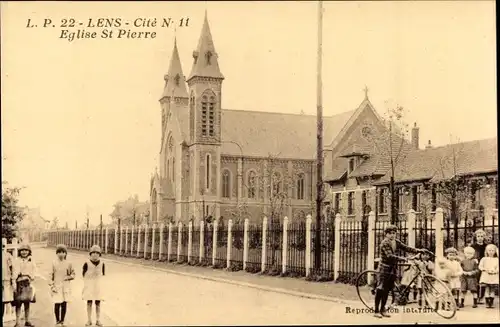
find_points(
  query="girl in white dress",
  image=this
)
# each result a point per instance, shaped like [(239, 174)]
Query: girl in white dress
[(456, 273), (60, 277), (93, 272), (489, 273)]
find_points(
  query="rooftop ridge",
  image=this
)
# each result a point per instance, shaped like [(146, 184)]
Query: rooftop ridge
[(285, 113), (458, 143)]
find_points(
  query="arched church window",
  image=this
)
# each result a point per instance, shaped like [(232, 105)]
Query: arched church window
[(226, 184), (211, 116), (173, 170), (208, 115), (300, 187), (177, 79), (251, 182), (170, 144), (168, 168), (191, 113), (207, 172), (204, 115)]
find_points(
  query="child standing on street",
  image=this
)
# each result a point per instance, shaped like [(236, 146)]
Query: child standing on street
[(444, 274), (489, 273), (8, 282), (479, 244), (469, 277), (24, 275), (456, 272), (60, 277), (93, 272)]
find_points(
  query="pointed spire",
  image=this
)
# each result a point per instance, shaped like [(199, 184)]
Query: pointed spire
[(205, 61), (175, 81)]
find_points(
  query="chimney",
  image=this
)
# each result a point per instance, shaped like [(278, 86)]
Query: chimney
[(429, 145), (414, 137)]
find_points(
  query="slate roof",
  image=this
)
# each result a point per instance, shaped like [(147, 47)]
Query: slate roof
[(379, 161), (283, 135), (437, 163)]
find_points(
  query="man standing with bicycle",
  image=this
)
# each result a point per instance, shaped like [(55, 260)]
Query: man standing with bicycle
[(387, 267)]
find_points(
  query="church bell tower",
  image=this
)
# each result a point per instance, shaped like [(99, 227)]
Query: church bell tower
[(205, 91)]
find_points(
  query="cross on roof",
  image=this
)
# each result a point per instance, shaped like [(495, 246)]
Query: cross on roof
[(366, 92)]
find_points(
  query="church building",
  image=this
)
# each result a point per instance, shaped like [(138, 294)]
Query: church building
[(229, 163)]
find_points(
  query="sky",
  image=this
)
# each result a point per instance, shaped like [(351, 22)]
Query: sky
[(81, 119)]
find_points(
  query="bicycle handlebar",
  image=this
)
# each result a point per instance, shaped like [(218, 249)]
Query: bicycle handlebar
[(419, 255)]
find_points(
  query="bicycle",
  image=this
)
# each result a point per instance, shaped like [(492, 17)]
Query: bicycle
[(434, 290)]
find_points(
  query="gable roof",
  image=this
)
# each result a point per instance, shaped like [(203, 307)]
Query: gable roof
[(473, 157), (284, 135)]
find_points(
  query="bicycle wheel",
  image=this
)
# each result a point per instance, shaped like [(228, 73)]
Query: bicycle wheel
[(439, 297), (366, 284)]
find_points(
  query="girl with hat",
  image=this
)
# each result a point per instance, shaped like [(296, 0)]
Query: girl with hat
[(93, 272), (60, 277), (24, 275)]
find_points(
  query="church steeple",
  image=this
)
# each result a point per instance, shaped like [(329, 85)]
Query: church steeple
[(175, 81), (205, 62)]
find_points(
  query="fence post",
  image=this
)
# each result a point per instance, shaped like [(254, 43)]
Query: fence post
[(370, 264), (438, 223), (139, 228), (410, 227), (116, 240), (229, 244), (146, 230), (14, 245), (214, 241), (122, 241), (284, 252), (264, 244), (202, 240), (179, 241), (160, 250), (153, 234), (169, 245), (126, 241), (132, 245), (245, 244), (190, 240), (308, 244), (106, 242)]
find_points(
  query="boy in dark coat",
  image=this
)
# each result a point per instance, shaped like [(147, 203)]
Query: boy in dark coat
[(387, 267)]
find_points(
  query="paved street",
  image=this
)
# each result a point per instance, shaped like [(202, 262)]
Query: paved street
[(139, 295)]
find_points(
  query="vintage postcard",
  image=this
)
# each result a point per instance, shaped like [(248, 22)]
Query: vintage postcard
[(178, 163)]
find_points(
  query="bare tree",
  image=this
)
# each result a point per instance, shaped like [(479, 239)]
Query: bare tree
[(390, 147), (275, 184)]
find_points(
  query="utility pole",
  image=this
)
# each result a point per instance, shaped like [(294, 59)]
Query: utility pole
[(319, 152)]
